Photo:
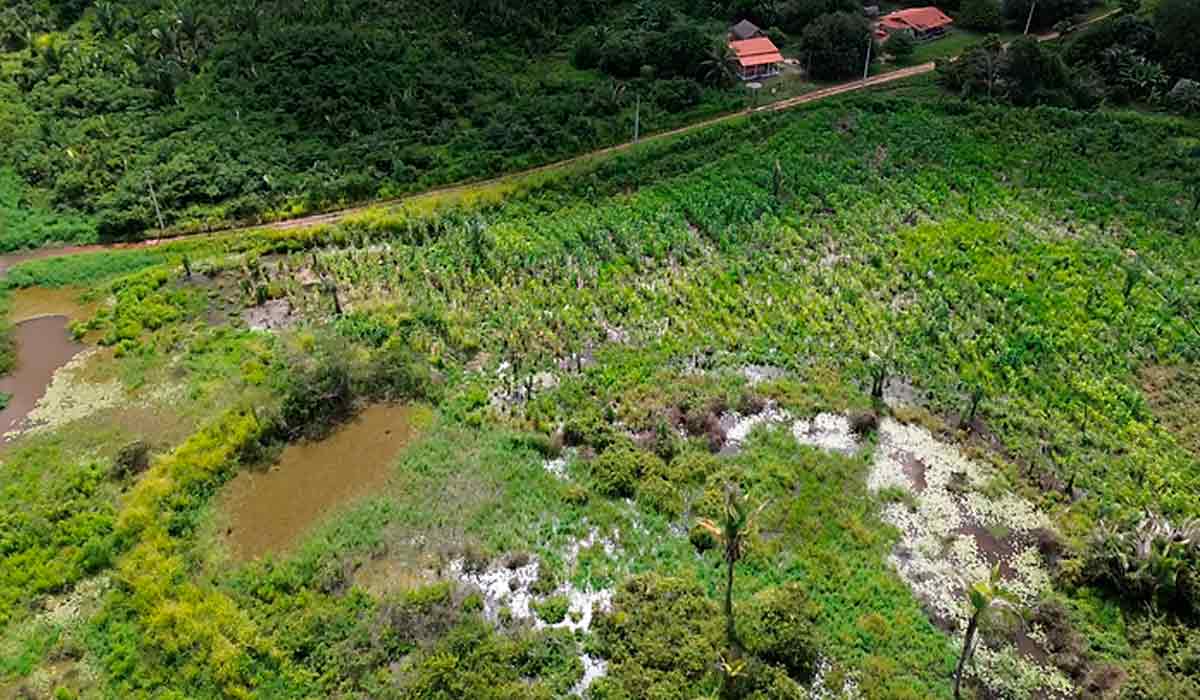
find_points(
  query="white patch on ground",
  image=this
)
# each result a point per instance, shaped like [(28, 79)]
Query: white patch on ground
[(741, 426), (557, 467), (757, 374), (827, 431), (594, 669), (503, 587), (939, 553), (69, 397), (819, 688), (522, 390), (64, 610)]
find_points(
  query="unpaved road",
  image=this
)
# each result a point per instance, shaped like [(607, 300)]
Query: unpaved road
[(333, 217)]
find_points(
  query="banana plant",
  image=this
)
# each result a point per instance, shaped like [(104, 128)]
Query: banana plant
[(731, 533), (988, 601)]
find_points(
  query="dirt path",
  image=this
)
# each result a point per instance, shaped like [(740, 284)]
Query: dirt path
[(334, 217)]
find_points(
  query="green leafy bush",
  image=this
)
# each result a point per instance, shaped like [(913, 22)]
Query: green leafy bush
[(552, 610), (618, 469)]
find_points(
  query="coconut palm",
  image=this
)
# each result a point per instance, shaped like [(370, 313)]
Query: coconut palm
[(988, 602), (717, 69)]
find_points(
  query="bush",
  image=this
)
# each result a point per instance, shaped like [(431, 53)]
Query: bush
[(662, 634), (552, 610), (586, 54), (1185, 97), (320, 392), (618, 469), (131, 459), (779, 627), (900, 45)]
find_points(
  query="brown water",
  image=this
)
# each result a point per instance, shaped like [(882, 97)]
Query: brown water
[(43, 345), (33, 302), (268, 511)]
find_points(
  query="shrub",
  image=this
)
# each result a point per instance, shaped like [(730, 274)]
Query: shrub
[(586, 53), (900, 45), (131, 459), (319, 393), (779, 627), (662, 633), (397, 373), (552, 610), (1185, 97), (588, 426), (617, 470)]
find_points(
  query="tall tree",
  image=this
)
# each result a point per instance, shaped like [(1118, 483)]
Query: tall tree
[(1176, 21), (837, 45)]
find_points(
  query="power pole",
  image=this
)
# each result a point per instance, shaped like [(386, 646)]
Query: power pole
[(637, 116), (867, 65), (1029, 21), (157, 210)]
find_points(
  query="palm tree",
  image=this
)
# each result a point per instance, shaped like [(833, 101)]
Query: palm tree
[(717, 69), (988, 601), (731, 534)]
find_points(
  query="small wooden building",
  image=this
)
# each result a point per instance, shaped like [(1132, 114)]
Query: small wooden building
[(756, 58), (744, 30)]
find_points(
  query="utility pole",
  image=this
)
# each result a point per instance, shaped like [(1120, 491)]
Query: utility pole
[(637, 116), (157, 210), (867, 65), (1029, 22)]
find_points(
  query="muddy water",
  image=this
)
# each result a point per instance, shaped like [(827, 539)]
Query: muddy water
[(43, 345), (7, 262), (268, 511), (33, 302)]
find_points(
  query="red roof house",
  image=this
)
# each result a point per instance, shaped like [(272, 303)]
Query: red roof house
[(920, 22), (756, 58)]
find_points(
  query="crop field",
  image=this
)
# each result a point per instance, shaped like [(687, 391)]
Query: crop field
[(916, 341)]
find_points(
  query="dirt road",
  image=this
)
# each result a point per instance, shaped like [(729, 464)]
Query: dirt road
[(334, 217)]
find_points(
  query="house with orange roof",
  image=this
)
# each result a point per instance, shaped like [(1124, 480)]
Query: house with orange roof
[(921, 23), (755, 58)]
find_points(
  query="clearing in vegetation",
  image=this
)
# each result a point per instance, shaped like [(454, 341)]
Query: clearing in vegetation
[(913, 333)]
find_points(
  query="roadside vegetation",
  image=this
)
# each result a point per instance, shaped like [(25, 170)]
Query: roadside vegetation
[(751, 314)]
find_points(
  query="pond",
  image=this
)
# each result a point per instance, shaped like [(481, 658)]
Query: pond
[(43, 346), (267, 511)]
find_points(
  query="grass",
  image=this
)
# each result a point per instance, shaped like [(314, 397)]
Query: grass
[(965, 248)]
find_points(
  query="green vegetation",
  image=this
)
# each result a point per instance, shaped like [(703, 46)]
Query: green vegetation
[(1005, 278)]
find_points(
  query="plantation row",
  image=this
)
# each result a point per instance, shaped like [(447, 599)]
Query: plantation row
[(1013, 273)]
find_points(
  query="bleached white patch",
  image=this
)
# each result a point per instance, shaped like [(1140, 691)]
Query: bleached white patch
[(69, 397), (819, 687), (757, 374), (741, 426), (501, 587), (827, 431), (594, 668), (557, 467), (941, 547)]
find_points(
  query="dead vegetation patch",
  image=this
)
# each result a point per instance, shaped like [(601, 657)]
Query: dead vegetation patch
[(1173, 393)]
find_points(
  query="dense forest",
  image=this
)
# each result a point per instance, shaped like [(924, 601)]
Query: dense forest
[(126, 117)]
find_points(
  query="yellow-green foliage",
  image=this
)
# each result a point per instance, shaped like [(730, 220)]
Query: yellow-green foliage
[(195, 632)]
